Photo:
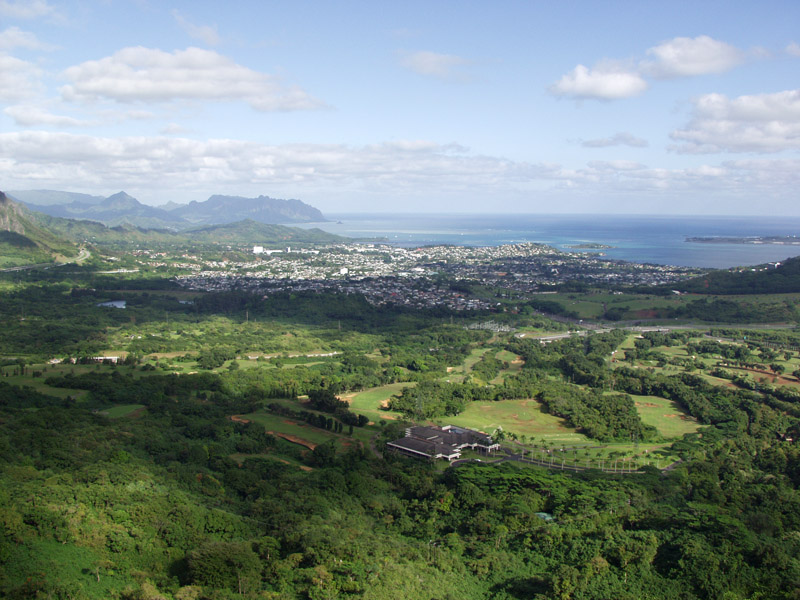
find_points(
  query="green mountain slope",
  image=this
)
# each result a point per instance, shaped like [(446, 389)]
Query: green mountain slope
[(23, 241), (241, 232)]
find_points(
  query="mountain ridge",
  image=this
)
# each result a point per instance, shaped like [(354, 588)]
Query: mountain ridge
[(23, 241), (121, 208)]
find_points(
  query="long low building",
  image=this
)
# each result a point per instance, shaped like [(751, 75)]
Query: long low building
[(442, 442)]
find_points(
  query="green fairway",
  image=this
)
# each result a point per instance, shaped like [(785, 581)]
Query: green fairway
[(522, 417), (369, 402), (667, 416)]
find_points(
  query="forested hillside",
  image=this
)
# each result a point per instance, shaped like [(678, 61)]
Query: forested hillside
[(218, 445), (780, 279)]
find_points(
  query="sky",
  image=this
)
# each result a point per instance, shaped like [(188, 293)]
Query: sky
[(421, 106)]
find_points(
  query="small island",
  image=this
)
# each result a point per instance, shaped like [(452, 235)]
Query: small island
[(791, 240), (589, 246)]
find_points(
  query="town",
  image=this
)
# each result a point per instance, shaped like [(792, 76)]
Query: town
[(426, 277)]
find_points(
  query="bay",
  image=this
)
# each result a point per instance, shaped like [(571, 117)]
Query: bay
[(634, 238)]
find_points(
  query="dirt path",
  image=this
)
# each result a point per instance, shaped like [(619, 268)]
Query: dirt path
[(294, 439)]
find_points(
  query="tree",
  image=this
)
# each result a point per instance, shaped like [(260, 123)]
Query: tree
[(225, 565)]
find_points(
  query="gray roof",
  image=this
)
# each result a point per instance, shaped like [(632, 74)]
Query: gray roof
[(425, 447)]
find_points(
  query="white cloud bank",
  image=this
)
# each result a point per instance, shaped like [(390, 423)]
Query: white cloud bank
[(688, 57), (140, 74), (19, 79), (678, 57), (410, 172), (14, 37), (26, 9), (604, 82), (756, 123), (30, 115)]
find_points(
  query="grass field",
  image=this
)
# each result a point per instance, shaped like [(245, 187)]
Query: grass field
[(522, 417), (305, 434), (369, 402), (283, 425), (667, 416)]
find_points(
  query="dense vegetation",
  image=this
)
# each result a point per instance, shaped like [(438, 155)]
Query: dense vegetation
[(151, 478), (784, 278)]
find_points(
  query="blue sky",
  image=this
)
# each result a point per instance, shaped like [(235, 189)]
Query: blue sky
[(535, 107)]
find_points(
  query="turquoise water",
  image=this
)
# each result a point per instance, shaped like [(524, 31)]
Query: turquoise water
[(636, 238)]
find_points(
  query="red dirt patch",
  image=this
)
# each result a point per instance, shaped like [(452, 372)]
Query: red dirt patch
[(239, 419), (294, 439), (647, 404)]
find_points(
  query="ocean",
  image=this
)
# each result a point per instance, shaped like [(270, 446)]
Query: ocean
[(635, 238)]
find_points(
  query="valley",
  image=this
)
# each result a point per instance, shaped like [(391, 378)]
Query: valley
[(199, 421)]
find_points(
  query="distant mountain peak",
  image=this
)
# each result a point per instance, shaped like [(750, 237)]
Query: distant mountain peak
[(121, 200), (263, 209)]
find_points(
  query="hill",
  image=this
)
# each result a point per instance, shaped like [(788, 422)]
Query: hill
[(227, 209), (53, 197), (249, 231), (763, 279), (115, 210), (23, 242), (242, 232)]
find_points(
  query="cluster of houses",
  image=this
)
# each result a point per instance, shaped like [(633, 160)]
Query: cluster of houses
[(442, 442)]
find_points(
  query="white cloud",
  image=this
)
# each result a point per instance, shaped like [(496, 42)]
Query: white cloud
[(140, 74), (26, 115), (604, 82), (687, 57), (180, 163), (205, 33), (678, 57), (407, 172), (757, 123), (793, 49), (26, 9), (19, 79), (14, 37), (432, 64), (618, 139)]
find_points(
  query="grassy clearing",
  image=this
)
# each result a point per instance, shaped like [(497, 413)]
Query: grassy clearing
[(369, 402), (522, 417), (283, 425), (305, 434), (473, 358), (667, 416)]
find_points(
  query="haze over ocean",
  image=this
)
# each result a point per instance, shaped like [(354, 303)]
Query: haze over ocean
[(636, 238)]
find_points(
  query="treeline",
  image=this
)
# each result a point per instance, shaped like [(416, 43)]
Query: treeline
[(604, 417), (432, 399), (181, 502), (728, 311)]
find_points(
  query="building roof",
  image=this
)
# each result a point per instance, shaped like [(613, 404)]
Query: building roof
[(441, 442), (425, 448)]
